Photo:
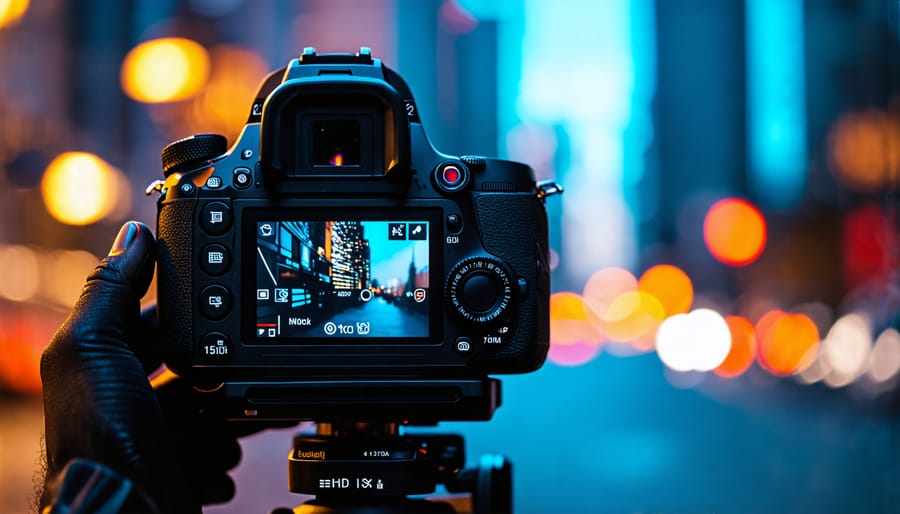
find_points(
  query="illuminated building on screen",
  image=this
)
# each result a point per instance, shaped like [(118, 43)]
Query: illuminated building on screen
[(350, 256)]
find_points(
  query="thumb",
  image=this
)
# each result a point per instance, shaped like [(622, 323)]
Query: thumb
[(109, 306), (96, 394)]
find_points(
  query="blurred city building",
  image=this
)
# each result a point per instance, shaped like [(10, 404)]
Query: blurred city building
[(726, 256)]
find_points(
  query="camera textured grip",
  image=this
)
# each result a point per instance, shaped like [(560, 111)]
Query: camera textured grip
[(522, 216), (174, 240)]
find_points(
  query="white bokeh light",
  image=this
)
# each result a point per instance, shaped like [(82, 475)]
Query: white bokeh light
[(846, 349), (884, 361), (699, 340)]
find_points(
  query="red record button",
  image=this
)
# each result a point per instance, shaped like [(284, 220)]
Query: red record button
[(451, 177)]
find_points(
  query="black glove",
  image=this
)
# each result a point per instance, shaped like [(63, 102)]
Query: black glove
[(100, 406)]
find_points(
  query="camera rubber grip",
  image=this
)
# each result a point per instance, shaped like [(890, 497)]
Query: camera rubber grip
[(174, 241), (501, 215)]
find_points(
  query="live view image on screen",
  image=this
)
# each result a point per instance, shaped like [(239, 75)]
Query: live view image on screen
[(342, 279)]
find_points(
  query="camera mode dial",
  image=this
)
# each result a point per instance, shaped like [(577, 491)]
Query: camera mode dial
[(480, 289), (192, 151)]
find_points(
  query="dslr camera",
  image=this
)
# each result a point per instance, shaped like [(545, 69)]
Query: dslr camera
[(333, 265)]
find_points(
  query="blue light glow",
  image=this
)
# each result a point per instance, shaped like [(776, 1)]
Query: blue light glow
[(776, 103)]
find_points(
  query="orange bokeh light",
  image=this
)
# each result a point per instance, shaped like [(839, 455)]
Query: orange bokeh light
[(633, 317), (671, 286), (743, 348), (862, 147), (568, 321), (788, 343), (734, 231), (605, 286)]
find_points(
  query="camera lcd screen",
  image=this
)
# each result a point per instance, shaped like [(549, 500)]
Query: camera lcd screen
[(336, 143), (346, 279)]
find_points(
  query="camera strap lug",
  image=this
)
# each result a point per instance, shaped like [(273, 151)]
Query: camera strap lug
[(547, 188), (156, 185)]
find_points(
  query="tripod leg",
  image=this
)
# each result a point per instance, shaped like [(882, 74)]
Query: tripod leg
[(493, 486)]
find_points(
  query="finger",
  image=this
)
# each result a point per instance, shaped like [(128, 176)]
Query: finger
[(145, 339), (94, 387), (109, 306)]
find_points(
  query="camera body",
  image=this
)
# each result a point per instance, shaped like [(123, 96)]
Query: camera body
[(332, 244)]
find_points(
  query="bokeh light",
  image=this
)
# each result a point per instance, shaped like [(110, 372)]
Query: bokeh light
[(788, 343), (574, 354), (734, 231), (19, 280), (572, 336), (620, 311), (743, 347), (80, 188), (870, 234), (698, 340), (884, 360), (12, 11), (863, 147), (223, 105), (165, 70), (605, 285), (671, 286), (66, 270), (633, 317), (846, 349)]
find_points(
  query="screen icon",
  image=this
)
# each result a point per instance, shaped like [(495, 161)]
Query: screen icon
[(281, 295), (216, 217), (215, 301), (418, 231), (396, 231), (262, 294), (419, 295), (266, 230)]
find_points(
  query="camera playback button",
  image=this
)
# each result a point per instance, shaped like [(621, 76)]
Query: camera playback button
[(215, 302)]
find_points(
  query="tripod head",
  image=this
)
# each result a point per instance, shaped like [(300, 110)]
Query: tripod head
[(374, 468)]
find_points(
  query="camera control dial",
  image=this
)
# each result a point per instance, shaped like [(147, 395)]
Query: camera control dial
[(192, 151), (480, 289)]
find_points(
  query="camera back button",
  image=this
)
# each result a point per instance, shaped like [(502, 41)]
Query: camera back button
[(215, 218), (215, 302), (215, 347), (215, 259)]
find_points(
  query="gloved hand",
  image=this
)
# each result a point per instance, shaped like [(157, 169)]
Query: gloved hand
[(100, 406)]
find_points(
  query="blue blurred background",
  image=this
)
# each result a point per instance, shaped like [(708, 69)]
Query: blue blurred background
[(726, 290)]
